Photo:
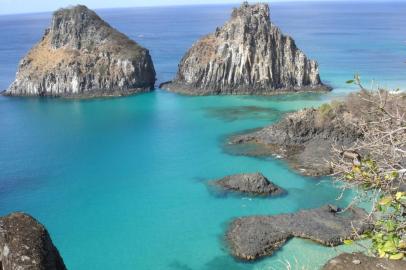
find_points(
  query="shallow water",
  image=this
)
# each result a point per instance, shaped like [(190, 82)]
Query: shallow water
[(120, 183)]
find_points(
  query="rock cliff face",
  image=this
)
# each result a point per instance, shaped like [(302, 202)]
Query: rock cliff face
[(26, 244), (81, 55), (248, 55)]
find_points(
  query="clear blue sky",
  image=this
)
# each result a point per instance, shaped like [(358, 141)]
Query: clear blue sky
[(27, 6)]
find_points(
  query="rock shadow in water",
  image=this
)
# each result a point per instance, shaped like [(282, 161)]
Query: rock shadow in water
[(231, 114), (289, 97), (217, 263)]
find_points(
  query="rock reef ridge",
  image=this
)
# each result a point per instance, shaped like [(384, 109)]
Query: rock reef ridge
[(253, 237), (304, 138)]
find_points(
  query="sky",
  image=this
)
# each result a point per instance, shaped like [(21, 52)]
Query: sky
[(31, 6)]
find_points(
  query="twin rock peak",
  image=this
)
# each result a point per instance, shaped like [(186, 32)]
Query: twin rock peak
[(80, 55)]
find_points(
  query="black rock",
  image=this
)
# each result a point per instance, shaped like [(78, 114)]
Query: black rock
[(304, 138), (251, 183), (253, 237)]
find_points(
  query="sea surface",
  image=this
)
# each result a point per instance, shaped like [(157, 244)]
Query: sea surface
[(121, 183)]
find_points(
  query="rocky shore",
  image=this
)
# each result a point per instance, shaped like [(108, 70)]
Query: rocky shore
[(248, 183), (250, 238), (80, 55), (26, 244), (359, 261), (247, 55), (304, 138)]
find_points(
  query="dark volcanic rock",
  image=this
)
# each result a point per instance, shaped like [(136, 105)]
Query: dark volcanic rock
[(359, 261), (253, 183), (80, 55), (304, 138), (26, 244), (252, 237), (247, 55)]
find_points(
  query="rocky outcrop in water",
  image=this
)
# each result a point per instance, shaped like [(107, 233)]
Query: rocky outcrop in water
[(305, 138), (251, 183), (248, 55), (253, 237), (26, 244), (80, 55), (359, 261)]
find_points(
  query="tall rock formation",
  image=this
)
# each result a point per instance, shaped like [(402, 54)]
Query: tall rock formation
[(26, 244), (248, 55), (81, 55)]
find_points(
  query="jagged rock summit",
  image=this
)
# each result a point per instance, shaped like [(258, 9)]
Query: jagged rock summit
[(80, 55), (248, 55)]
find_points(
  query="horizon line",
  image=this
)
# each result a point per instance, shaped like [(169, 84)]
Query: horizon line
[(210, 4)]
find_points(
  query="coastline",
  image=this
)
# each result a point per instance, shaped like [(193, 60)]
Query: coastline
[(89, 94), (194, 91)]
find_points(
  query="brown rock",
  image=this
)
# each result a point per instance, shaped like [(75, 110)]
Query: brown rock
[(26, 244), (359, 261)]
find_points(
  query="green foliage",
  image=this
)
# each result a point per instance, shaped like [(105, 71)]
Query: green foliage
[(380, 172), (348, 242), (327, 110), (356, 80), (387, 241), (366, 174), (387, 236)]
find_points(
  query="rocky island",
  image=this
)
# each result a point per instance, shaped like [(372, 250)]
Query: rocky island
[(26, 244), (248, 55), (80, 55), (249, 183), (253, 237)]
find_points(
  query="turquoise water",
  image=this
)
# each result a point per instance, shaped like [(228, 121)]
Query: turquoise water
[(120, 183), (124, 178)]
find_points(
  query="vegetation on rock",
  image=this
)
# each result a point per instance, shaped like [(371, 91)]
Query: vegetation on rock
[(375, 165)]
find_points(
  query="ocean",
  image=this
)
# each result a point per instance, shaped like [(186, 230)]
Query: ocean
[(121, 183)]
